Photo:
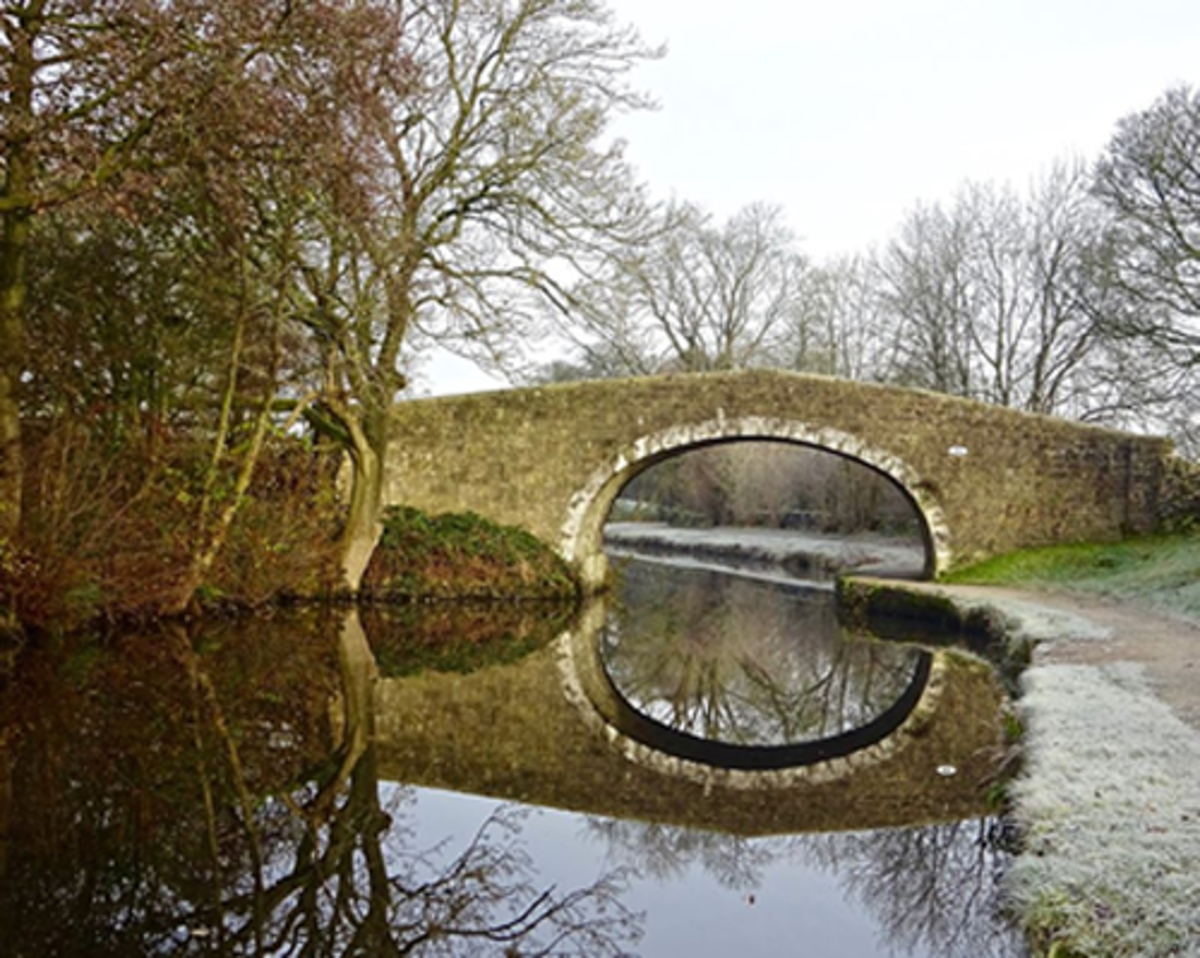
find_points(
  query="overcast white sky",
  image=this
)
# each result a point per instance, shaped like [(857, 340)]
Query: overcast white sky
[(847, 112)]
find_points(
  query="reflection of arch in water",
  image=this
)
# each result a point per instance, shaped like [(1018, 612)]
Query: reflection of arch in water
[(634, 723), (651, 743), (582, 534), (747, 661)]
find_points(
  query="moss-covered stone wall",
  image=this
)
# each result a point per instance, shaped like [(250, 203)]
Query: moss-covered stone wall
[(986, 479)]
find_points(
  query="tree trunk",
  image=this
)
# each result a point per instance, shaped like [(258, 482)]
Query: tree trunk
[(14, 252), (364, 524), (11, 460)]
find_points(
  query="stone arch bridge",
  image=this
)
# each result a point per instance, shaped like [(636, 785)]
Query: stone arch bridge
[(983, 479)]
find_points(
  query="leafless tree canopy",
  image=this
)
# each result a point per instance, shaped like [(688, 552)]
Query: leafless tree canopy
[(1077, 296), (1149, 178), (693, 298)]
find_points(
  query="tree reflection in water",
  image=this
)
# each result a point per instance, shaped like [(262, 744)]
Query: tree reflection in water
[(936, 885), (932, 889), (160, 799), (743, 661)]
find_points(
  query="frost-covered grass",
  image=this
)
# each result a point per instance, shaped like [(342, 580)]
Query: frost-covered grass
[(1110, 804), (1109, 799), (1161, 571)]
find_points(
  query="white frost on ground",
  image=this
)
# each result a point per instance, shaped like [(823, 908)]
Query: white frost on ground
[(1110, 800), (730, 568), (1030, 622), (865, 554)]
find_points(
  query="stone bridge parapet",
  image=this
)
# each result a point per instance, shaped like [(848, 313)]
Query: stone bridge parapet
[(984, 479)]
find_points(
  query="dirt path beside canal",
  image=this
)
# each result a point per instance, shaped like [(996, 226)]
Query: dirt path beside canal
[(1098, 631)]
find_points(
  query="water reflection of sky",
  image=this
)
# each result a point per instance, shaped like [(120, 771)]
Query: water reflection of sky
[(194, 793), (744, 661), (705, 894)]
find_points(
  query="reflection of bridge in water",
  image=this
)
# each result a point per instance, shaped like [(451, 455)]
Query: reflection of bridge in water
[(531, 731), (725, 669)]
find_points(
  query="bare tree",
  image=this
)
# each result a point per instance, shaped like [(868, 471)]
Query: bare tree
[(494, 183), (166, 278), (989, 298), (697, 297), (102, 100), (839, 321), (925, 292), (1149, 178), (47, 115), (1057, 369)]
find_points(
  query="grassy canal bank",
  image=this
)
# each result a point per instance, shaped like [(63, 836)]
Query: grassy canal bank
[(1108, 801), (1161, 572)]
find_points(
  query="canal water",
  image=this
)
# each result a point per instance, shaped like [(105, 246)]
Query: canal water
[(753, 666), (483, 781)]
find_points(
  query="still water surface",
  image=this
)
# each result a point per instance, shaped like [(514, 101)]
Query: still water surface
[(244, 788), (747, 662)]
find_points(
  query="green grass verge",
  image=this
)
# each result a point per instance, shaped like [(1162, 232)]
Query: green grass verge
[(1162, 571)]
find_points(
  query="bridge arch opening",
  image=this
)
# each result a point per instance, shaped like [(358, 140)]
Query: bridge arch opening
[(768, 485), (590, 507)]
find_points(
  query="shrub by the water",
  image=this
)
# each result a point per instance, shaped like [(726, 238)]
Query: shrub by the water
[(461, 555), (109, 528)]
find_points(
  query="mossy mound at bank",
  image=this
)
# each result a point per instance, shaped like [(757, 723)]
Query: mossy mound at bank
[(1161, 571), (461, 556)]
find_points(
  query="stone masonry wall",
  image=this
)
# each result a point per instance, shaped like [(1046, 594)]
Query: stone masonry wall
[(1179, 501), (986, 479)]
